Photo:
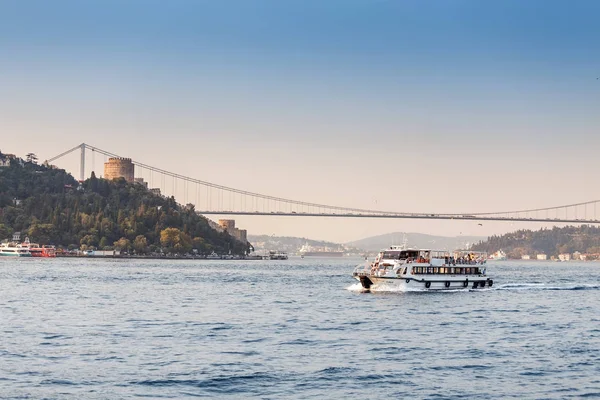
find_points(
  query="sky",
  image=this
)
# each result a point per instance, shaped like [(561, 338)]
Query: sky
[(417, 106)]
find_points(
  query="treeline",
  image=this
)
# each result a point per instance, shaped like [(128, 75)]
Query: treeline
[(51, 207), (584, 239)]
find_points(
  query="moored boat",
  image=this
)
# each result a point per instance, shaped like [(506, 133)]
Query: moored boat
[(278, 255), (498, 256), (310, 251), (38, 251), (12, 249), (401, 269), (213, 256)]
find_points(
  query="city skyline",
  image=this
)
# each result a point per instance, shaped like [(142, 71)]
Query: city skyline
[(415, 106)]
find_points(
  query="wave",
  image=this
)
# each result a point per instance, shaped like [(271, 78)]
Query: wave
[(357, 287), (223, 384), (544, 286)]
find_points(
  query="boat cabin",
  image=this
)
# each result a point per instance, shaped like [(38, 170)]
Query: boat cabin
[(426, 261), (408, 255)]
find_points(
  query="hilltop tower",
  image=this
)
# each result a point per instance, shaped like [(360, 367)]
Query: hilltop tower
[(119, 168)]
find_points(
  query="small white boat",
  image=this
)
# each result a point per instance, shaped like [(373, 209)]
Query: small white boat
[(403, 269), (498, 256)]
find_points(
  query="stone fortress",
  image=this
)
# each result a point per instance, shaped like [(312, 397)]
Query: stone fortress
[(119, 168), (229, 226), (124, 168)]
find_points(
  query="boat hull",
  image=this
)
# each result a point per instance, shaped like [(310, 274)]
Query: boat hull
[(15, 255), (322, 254), (431, 282)]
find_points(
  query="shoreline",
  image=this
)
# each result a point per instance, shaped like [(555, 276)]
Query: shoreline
[(151, 257)]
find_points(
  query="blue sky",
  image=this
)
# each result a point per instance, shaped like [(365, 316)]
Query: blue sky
[(319, 89)]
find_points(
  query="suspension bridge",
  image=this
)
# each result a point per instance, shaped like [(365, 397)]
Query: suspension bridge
[(214, 199)]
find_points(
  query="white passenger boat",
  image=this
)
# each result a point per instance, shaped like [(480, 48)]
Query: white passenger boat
[(398, 268), (278, 255), (12, 249)]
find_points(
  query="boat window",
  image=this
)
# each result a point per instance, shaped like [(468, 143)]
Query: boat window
[(452, 270), (391, 255)]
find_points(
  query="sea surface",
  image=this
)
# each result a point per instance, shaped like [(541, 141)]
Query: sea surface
[(295, 329)]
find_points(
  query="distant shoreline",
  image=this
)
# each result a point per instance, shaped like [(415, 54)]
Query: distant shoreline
[(145, 257)]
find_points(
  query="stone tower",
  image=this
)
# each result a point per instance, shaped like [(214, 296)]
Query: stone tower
[(119, 168)]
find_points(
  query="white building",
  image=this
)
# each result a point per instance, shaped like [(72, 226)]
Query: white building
[(525, 257), (564, 257), (542, 257)]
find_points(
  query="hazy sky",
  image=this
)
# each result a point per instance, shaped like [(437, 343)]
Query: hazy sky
[(425, 106)]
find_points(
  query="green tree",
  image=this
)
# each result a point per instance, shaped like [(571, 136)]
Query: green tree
[(122, 244), (31, 158), (5, 232), (199, 244), (103, 243), (89, 241), (140, 244), (42, 233), (175, 241)]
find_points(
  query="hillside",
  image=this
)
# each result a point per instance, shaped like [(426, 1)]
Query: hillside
[(552, 242), (51, 207), (376, 243), (293, 244)]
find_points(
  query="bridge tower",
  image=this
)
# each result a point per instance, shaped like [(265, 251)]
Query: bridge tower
[(82, 163)]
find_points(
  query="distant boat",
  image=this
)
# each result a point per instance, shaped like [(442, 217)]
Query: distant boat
[(213, 256), (38, 251), (498, 256), (278, 255), (310, 251)]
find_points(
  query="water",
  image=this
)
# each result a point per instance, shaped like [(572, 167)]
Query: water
[(295, 329)]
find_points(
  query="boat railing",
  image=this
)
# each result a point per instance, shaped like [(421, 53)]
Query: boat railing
[(362, 269)]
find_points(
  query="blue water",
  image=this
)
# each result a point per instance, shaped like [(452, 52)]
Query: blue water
[(100, 329)]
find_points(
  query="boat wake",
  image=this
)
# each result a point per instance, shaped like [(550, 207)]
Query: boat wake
[(357, 287), (543, 286)]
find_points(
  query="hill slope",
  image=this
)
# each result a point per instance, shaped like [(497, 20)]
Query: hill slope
[(292, 244), (552, 242), (48, 205), (376, 243)]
